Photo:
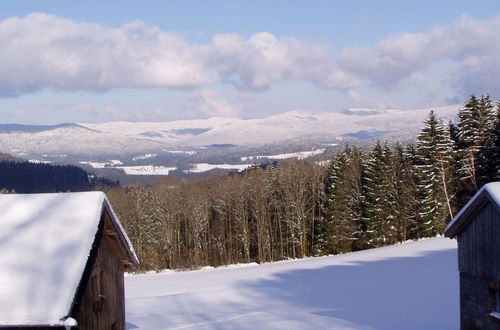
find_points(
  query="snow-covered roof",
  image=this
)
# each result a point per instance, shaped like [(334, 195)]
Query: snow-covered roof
[(45, 242), (489, 192)]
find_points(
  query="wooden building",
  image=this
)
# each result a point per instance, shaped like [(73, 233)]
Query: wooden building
[(62, 260), (477, 230)]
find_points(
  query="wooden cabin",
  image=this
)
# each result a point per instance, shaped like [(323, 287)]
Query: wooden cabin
[(477, 230), (62, 258)]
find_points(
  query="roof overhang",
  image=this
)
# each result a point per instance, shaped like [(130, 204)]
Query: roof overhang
[(120, 234), (489, 193)]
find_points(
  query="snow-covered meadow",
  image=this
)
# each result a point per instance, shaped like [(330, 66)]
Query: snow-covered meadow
[(408, 286), (299, 155)]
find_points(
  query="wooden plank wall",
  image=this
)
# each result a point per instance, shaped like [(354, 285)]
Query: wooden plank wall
[(479, 245), (103, 302)]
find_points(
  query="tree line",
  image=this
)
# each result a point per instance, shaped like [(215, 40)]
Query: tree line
[(19, 176), (361, 199)]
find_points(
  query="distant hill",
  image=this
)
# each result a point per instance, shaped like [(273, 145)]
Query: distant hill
[(10, 128), (119, 139)]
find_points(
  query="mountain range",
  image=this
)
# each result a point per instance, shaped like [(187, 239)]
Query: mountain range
[(132, 139)]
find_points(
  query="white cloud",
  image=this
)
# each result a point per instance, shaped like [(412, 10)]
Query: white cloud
[(263, 59), (43, 51), (46, 51), (470, 47), (208, 103)]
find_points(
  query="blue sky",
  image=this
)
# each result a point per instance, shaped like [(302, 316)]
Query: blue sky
[(92, 61)]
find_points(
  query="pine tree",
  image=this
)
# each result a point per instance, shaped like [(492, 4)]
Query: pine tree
[(490, 155), (476, 121), (406, 196), (379, 196), (485, 120), (454, 129), (433, 169), (467, 124), (341, 228)]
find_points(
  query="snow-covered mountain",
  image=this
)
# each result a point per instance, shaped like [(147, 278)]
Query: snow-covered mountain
[(136, 138)]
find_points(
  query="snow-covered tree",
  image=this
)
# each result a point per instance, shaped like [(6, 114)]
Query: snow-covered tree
[(406, 197), (475, 124), (341, 228), (467, 125), (379, 196), (434, 170), (490, 155)]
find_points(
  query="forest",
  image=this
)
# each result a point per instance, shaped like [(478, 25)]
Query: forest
[(19, 176), (362, 199)]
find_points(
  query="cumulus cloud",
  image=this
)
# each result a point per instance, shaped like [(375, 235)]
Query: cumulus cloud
[(46, 51), (257, 62), (43, 51), (471, 48)]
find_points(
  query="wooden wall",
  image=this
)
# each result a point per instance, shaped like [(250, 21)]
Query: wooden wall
[(478, 245), (103, 303), (476, 303)]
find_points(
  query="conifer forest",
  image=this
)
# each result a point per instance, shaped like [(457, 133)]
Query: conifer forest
[(362, 199)]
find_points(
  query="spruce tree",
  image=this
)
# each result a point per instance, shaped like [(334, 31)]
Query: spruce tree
[(467, 124), (342, 225), (490, 155), (434, 170), (453, 128), (379, 196), (406, 196), (476, 122)]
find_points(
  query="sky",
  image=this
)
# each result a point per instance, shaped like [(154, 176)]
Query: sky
[(98, 61)]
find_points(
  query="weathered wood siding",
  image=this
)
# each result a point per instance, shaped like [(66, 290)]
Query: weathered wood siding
[(478, 245), (476, 303), (103, 303)]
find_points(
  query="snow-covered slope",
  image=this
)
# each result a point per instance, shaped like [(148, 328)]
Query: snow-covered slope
[(409, 286), (116, 138)]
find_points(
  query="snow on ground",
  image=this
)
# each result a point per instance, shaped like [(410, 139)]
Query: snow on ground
[(95, 164), (409, 286), (146, 156), (298, 155), (36, 161), (186, 152), (204, 167), (323, 162), (147, 170)]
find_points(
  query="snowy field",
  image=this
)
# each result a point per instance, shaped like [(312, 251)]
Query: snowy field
[(299, 155), (204, 167), (409, 286), (147, 170)]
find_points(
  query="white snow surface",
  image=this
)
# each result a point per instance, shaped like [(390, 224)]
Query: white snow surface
[(146, 156), (95, 164), (147, 170), (204, 167), (119, 138), (494, 190), (408, 286), (299, 155), (45, 241)]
